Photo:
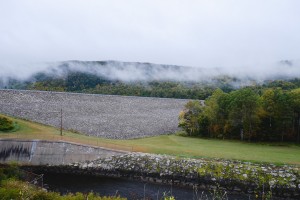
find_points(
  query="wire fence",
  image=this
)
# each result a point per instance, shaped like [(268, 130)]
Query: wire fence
[(32, 178)]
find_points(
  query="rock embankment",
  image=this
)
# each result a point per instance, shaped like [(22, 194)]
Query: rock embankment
[(232, 176), (116, 117)]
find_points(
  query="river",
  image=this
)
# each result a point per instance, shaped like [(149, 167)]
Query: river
[(132, 189)]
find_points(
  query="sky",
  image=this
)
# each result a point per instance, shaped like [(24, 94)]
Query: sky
[(230, 34)]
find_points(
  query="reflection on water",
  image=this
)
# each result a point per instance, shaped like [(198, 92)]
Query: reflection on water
[(131, 189)]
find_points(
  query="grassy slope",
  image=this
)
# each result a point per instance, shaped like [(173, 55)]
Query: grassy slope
[(169, 144), (196, 147), (26, 128)]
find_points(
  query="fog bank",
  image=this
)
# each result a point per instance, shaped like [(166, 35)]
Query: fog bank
[(145, 72), (239, 37)]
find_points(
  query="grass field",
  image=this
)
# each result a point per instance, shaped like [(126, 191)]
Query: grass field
[(169, 144)]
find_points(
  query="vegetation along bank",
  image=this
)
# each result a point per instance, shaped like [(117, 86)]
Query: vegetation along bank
[(14, 184)]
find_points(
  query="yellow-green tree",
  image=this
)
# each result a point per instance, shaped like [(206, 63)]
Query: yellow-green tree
[(295, 103), (189, 117), (243, 111)]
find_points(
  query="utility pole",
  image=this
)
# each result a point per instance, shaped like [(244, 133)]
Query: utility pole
[(298, 136), (61, 125)]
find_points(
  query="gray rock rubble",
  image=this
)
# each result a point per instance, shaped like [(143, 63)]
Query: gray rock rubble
[(109, 116)]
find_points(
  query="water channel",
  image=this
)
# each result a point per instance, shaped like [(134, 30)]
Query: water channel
[(132, 189)]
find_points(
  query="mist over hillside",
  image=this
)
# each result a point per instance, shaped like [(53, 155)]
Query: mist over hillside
[(121, 71), (146, 72)]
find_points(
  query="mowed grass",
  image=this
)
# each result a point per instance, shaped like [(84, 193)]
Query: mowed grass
[(209, 148), (169, 144), (29, 129)]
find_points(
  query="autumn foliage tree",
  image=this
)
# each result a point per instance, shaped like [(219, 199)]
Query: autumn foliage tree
[(189, 118), (271, 114)]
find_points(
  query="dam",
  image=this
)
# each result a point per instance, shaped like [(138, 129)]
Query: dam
[(108, 116), (40, 152)]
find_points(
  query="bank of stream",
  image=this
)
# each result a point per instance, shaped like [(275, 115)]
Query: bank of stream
[(131, 189), (235, 177)]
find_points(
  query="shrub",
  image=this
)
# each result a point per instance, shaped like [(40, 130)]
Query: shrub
[(6, 124), (13, 188)]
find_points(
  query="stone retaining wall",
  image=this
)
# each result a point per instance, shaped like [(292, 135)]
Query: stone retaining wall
[(234, 177)]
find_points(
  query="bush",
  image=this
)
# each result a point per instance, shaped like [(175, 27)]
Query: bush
[(181, 133), (10, 171), (6, 124), (13, 188)]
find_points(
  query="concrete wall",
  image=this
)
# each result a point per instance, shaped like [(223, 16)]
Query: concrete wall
[(37, 152)]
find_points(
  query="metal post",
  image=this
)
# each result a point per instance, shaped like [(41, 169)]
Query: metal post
[(298, 136), (61, 122)]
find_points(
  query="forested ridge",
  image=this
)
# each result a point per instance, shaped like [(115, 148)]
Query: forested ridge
[(84, 82), (88, 83)]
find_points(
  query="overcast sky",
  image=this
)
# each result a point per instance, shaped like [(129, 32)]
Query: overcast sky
[(203, 33)]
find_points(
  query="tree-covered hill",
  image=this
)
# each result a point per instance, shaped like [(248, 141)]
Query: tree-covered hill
[(138, 79)]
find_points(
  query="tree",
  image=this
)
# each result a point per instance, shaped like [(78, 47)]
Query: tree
[(277, 106), (216, 113), (275, 115), (189, 117), (268, 101), (6, 124), (295, 103), (269, 104), (244, 105), (79, 81)]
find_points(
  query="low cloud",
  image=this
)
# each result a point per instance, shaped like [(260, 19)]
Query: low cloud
[(133, 71), (239, 38)]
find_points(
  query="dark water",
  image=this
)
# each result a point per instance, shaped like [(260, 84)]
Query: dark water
[(131, 189)]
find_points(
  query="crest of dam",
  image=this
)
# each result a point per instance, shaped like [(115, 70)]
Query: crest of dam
[(40, 152)]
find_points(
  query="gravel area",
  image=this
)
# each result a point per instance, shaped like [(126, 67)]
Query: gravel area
[(109, 116)]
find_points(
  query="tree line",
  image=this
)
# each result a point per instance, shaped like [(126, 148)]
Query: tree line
[(89, 83), (84, 82), (251, 113)]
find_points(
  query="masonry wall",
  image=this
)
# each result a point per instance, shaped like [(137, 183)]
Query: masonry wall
[(233, 177)]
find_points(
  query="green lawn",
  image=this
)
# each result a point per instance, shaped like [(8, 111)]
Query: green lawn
[(170, 144), (197, 147)]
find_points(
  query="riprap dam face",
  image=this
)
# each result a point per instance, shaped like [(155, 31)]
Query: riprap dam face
[(109, 116)]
